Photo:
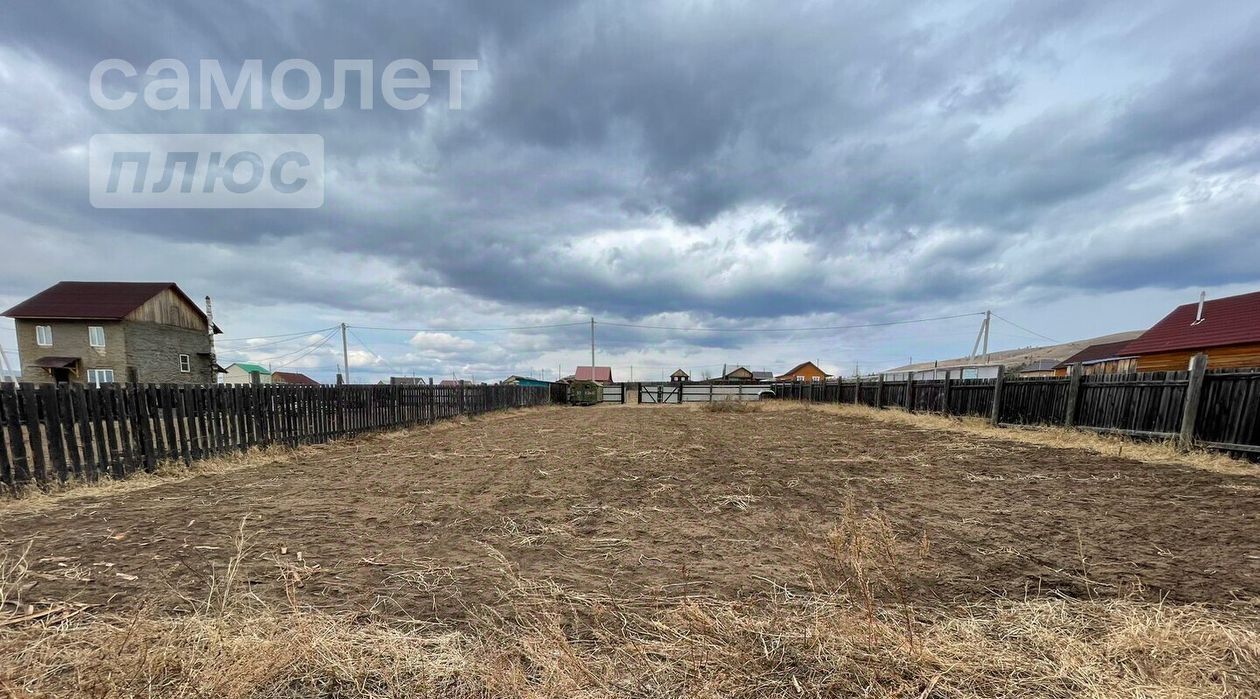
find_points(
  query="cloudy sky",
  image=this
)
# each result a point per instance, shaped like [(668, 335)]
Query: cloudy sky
[(1078, 167)]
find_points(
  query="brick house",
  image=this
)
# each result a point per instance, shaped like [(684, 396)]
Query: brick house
[(113, 332)]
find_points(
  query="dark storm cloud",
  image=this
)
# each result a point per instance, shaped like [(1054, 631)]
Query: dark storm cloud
[(642, 159)]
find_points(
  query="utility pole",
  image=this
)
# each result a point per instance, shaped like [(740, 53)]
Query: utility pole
[(214, 359), (988, 315), (592, 348), (982, 336), (345, 352)]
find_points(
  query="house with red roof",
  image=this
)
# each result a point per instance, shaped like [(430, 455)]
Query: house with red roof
[(1226, 329), (598, 374), (292, 378), (114, 332), (1102, 358)]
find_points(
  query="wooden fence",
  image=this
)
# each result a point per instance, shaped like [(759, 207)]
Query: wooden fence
[(1213, 409), (58, 432)]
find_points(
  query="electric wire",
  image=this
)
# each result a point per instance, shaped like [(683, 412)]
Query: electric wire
[(373, 352), (790, 330), (307, 354), (1031, 332), (472, 330)]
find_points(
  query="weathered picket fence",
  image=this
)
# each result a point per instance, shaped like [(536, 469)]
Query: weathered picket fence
[(1213, 409), (55, 432)]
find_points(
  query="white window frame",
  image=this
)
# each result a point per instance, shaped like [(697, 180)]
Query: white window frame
[(185, 364), (92, 332), (45, 330), (96, 377)]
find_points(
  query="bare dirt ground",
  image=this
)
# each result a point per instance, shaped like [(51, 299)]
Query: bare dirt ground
[(651, 503)]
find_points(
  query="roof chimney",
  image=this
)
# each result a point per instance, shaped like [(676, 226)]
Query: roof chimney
[(1198, 317)]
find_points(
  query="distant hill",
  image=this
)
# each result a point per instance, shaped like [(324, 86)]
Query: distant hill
[(1016, 359)]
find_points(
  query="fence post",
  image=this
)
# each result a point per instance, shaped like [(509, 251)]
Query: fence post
[(857, 390), (910, 391), (995, 418), (1194, 389), (945, 394), (1073, 395), (879, 393)]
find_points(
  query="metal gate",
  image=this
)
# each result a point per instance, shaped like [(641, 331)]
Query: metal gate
[(660, 393), (614, 393), (702, 392)]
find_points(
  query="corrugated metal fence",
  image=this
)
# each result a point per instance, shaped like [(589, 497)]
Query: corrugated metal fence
[(59, 432)]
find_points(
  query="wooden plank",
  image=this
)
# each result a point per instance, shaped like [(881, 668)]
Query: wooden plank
[(999, 388), (1190, 414), (20, 471), (69, 429), (1073, 394), (91, 464), (113, 418), (166, 417), (182, 423), (29, 401), (242, 424), (133, 454), (143, 414), (214, 442), (49, 399), (100, 431)]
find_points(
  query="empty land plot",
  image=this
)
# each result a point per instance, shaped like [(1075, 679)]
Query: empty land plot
[(649, 508)]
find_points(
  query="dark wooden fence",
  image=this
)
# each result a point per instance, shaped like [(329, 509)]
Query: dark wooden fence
[(58, 432), (1213, 409)]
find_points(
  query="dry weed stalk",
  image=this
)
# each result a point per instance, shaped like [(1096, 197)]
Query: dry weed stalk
[(546, 641)]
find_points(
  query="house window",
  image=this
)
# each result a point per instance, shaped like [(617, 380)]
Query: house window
[(96, 336), (96, 377), (185, 364), (43, 335)]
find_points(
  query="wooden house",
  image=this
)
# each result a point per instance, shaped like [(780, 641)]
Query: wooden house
[(1226, 329), (805, 371), (1103, 358), (679, 376)]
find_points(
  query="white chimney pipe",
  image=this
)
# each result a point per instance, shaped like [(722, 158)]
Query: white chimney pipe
[(1198, 317)]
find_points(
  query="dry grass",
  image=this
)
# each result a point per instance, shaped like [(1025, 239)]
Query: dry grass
[(1056, 437), (835, 640), (32, 499), (731, 406)]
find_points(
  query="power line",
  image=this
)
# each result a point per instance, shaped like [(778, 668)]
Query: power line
[(251, 348), (392, 368), (1031, 332), (791, 330), (471, 330), (308, 352), (322, 339), (268, 337)]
